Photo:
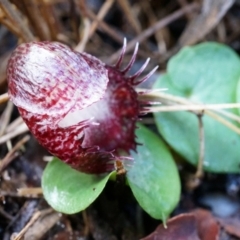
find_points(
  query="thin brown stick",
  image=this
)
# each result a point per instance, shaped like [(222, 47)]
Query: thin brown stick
[(7, 159), (85, 36), (199, 172), (37, 20), (105, 27), (230, 115), (8, 194), (100, 16), (19, 130), (184, 3), (90, 29), (86, 229), (9, 25), (51, 19), (15, 17), (172, 99), (4, 98), (29, 224), (196, 108), (46, 221), (124, 4), (30, 192), (23, 192), (159, 35), (86, 12), (223, 121), (14, 124), (157, 26), (5, 118), (193, 107)]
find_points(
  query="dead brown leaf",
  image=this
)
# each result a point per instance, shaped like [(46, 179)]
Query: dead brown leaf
[(198, 225), (231, 225), (181, 227), (212, 12), (208, 229)]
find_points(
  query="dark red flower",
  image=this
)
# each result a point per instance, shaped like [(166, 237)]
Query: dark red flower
[(80, 109)]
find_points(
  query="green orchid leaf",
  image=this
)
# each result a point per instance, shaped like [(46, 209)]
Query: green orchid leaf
[(154, 178), (207, 73), (70, 191)]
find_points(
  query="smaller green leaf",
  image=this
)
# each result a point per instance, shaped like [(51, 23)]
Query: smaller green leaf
[(154, 178), (70, 191)]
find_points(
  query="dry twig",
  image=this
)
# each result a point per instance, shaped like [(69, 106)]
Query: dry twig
[(8, 158), (151, 30), (16, 19), (81, 45), (194, 107), (34, 218), (30, 192), (124, 4), (182, 104), (199, 173), (17, 131), (49, 16), (37, 20), (100, 16), (105, 27), (5, 118), (44, 223), (4, 98), (212, 12)]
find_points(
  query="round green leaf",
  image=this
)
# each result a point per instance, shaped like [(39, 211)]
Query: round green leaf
[(70, 191), (154, 178), (206, 73)]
